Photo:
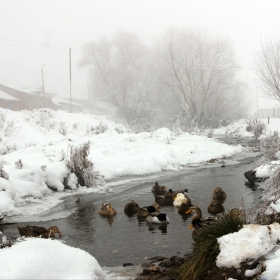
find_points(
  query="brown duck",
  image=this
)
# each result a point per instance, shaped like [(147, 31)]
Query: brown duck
[(216, 207), (159, 190), (35, 231), (107, 210), (131, 207), (143, 211), (219, 194)]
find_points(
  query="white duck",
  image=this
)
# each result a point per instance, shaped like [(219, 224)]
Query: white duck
[(179, 199)]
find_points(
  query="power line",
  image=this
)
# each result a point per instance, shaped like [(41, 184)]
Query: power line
[(18, 65), (29, 43), (23, 47)]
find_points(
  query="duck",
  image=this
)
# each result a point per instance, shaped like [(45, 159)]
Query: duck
[(216, 207), (179, 199), (159, 190), (185, 206), (197, 220), (35, 231), (166, 199), (219, 194), (143, 211), (131, 207), (107, 210), (155, 217)]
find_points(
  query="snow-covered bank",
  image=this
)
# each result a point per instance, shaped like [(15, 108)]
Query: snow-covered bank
[(36, 258)]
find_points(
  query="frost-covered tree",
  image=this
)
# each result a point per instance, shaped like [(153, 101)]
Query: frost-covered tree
[(267, 66), (196, 74), (118, 73)]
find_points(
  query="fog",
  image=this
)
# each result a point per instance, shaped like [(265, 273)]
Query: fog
[(37, 33)]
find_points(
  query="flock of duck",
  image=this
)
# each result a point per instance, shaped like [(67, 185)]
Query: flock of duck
[(168, 197), (151, 213)]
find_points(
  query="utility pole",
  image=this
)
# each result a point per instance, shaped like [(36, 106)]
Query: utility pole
[(70, 81), (257, 102), (43, 86), (88, 93)]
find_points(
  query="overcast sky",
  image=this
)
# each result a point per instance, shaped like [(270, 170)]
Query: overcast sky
[(35, 32)]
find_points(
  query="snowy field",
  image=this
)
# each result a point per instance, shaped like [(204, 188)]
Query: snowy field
[(35, 147)]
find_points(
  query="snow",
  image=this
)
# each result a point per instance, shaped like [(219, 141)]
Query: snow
[(252, 242), (36, 258), (39, 144)]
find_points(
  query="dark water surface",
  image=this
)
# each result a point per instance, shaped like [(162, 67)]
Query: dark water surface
[(123, 239)]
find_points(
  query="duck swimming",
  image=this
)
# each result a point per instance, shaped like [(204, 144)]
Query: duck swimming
[(107, 210), (131, 207), (35, 231), (219, 194), (166, 199), (143, 211), (197, 220), (179, 199), (155, 217), (216, 207), (185, 206), (159, 190)]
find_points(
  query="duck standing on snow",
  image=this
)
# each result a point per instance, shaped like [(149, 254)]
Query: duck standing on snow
[(155, 217)]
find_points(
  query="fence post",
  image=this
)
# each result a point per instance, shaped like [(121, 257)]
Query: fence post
[(268, 120)]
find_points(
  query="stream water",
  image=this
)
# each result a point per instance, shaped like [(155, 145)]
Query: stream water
[(124, 239)]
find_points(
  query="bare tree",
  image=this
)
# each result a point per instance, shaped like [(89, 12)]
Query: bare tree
[(267, 66), (196, 74), (119, 75)]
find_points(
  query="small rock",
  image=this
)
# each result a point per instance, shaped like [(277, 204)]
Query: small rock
[(145, 271), (127, 264)]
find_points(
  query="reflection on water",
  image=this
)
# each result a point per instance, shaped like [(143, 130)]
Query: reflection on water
[(109, 219), (153, 228), (127, 238)]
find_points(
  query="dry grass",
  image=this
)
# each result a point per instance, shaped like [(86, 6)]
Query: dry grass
[(206, 248)]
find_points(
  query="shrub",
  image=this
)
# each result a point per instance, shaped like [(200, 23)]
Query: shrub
[(120, 130), (206, 248), (101, 128), (270, 146), (256, 127), (3, 174), (271, 195), (8, 126), (63, 128), (210, 133), (81, 166)]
